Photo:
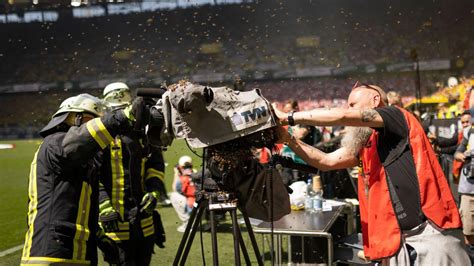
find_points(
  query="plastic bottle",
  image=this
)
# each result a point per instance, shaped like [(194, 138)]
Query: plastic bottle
[(317, 194), (308, 200)]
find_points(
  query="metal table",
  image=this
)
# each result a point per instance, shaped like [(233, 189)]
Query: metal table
[(303, 223)]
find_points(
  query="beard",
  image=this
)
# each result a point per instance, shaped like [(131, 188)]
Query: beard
[(355, 138)]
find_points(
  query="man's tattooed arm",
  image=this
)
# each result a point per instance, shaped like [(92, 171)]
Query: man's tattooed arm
[(368, 115)]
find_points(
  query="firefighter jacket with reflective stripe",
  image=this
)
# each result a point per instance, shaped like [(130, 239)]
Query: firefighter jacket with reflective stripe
[(380, 226), (131, 168), (63, 193)]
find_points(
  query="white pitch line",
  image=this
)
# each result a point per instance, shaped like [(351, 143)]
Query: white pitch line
[(10, 250)]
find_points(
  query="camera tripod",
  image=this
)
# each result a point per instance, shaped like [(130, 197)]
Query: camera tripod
[(214, 201)]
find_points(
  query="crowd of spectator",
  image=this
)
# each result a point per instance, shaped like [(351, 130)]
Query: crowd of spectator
[(331, 92), (247, 38), (243, 38), (23, 114)]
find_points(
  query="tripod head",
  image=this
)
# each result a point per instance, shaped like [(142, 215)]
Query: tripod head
[(211, 191)]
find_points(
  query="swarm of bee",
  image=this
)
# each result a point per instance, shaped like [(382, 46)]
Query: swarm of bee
[(182, 84), (227, 156)]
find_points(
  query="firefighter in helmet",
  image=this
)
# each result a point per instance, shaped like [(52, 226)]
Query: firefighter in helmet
[(64, 186), (132, 179)]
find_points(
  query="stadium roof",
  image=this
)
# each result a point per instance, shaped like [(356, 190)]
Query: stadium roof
[(7, 6)]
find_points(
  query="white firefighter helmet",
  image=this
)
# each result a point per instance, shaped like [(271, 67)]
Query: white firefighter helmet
[(185, 161), (66, 103), (117, 94), (82, 103)]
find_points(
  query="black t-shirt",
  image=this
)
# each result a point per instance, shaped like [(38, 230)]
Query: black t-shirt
[(396, 157)]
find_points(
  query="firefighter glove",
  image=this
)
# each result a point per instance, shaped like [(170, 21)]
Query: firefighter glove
[(108, 247), (108, 217), (149, 202), (137, 113), (129, 114)]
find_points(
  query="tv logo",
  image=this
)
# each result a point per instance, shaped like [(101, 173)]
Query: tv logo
[(253, 115), (248, 118)]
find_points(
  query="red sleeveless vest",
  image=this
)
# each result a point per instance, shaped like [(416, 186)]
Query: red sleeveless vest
[(380, 228)]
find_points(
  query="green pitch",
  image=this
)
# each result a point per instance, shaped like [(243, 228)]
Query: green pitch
[(14, 170)]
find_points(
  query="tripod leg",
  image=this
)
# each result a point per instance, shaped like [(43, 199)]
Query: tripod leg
[(252, 238), (215, 256), (196, 223), (237, 236), (242, 246), (188, 235), (244, 250)]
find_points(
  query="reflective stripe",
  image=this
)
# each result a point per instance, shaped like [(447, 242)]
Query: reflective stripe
[(47, 261), (118, 176), (106, 203), (82, 223), (148, 227), (150, 172), (98, 131), (142, 168), (125, 226), (124, 234), (147, 222), (33, 205), (148, 231), (119, 236)]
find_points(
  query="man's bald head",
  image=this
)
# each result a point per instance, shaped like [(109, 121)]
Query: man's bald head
[(367, 96)]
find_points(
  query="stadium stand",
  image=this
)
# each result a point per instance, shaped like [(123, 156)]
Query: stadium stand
[(252, 37), (315, 49)]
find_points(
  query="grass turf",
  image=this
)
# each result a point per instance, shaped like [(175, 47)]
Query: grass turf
[(14, 170)]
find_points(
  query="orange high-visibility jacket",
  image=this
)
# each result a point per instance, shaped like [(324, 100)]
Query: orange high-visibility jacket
[(380, 227)]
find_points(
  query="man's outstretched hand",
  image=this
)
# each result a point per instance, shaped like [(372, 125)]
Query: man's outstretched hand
[(282, 116)]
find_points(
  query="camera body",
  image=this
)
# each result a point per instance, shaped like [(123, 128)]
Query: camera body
[(468, 169), (230, 124), (206, 116)]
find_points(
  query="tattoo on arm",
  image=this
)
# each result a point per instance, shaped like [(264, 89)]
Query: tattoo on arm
[(368, 115)]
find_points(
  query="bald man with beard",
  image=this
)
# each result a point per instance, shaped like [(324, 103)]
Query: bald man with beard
[(408, 214)]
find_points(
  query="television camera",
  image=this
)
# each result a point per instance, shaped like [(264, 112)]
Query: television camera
[(229, 125)]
